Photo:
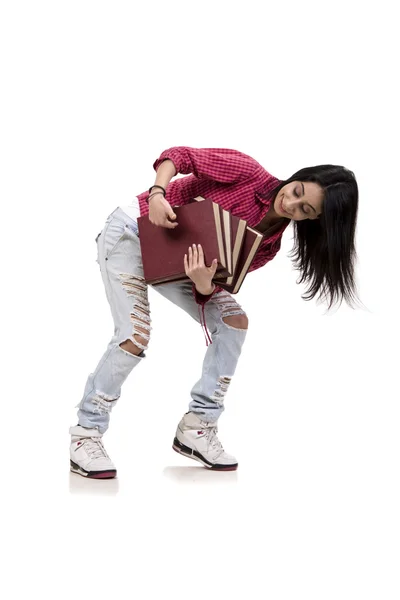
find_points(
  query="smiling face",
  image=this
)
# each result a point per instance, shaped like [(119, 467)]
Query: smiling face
[(299, 200)]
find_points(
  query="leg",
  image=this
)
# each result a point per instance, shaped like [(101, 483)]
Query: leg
[(228, 325), (196, 434), (221, 359), (121, 268)]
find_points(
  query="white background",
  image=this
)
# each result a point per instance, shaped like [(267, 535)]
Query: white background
[(92, 92)]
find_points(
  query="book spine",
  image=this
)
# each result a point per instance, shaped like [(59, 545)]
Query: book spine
[(218, 229)]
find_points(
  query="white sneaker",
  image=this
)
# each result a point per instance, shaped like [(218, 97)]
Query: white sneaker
[(88, 456), (198, 439)]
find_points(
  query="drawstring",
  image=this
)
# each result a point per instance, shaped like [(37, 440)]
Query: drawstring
[(202, 313), (204, 324)]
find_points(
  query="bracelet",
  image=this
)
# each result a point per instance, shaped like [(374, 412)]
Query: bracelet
[(151, 195), (158, 186)]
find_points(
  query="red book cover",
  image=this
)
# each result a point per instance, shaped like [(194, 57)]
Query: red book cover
[(163, 249)]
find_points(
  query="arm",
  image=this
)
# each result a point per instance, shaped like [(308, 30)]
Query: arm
[(160, 210), (219, 164), (165, 173)]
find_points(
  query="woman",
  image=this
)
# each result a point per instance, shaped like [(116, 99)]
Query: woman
[(322, 202)]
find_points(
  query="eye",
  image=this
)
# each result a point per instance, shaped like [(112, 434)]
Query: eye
[(304, 210), (296, 194)]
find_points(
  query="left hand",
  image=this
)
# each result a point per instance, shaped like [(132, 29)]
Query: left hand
[(199, 273)]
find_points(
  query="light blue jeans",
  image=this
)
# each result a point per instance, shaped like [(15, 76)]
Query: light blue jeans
[(120, 260)]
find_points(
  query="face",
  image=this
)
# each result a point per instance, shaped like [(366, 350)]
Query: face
[(299, 200)]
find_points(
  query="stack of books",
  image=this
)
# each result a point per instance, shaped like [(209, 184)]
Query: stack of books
[(222, 236)]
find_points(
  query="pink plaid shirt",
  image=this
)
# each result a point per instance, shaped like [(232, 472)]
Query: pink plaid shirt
[(230, 178)]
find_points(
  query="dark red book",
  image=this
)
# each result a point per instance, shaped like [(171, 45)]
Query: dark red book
[(252, 241), (163, 249), (235, 231)]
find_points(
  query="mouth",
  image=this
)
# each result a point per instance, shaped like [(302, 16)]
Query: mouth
[(282, 209)]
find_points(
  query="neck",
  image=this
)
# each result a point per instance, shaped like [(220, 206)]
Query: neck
[(272, 217)]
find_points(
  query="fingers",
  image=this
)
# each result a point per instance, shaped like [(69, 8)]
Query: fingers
[(196, 256), (162, 216), (191, 260), (195, 267), (213, 267), (169, 215), (201, 256), (164, 223), (168, 225)]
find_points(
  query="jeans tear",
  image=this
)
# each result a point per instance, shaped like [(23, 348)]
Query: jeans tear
[(222, 387), (103, 403), (135, 287), (227, 305)]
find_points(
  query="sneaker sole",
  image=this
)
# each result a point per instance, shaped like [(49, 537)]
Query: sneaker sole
[(189, 453), (92, 474)]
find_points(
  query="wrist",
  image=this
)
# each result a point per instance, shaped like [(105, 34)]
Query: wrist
[(206, 291), (157, 187), (154, 195)]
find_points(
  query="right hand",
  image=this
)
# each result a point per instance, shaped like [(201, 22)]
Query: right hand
[(160, 211)]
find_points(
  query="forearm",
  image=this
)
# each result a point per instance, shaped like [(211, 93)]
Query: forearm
[(165, 173)]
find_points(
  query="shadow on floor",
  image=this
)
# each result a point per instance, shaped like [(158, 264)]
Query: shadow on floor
[(92, 487), (199, 475)]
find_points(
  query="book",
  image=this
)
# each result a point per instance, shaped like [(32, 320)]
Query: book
[(163, 249), (237, 235), (233, 237), (228, 238), (220, 234), (234, 231), (226, 227), (250, 245)]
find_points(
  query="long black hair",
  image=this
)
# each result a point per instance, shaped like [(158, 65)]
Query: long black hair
[(324, 248)]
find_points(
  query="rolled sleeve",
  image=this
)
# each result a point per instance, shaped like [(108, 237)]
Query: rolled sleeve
[(217, 164), (171, 154)]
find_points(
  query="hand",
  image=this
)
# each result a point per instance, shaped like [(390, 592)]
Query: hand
[(159, 212), (199, 273)]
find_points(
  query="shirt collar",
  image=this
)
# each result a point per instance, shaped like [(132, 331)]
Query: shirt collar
[(264, 190), (260, 198)]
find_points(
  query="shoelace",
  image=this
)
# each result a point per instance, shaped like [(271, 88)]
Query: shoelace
[(213, 441), (94, 447)]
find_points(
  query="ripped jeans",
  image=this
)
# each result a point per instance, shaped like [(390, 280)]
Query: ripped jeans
[(120, 260)]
